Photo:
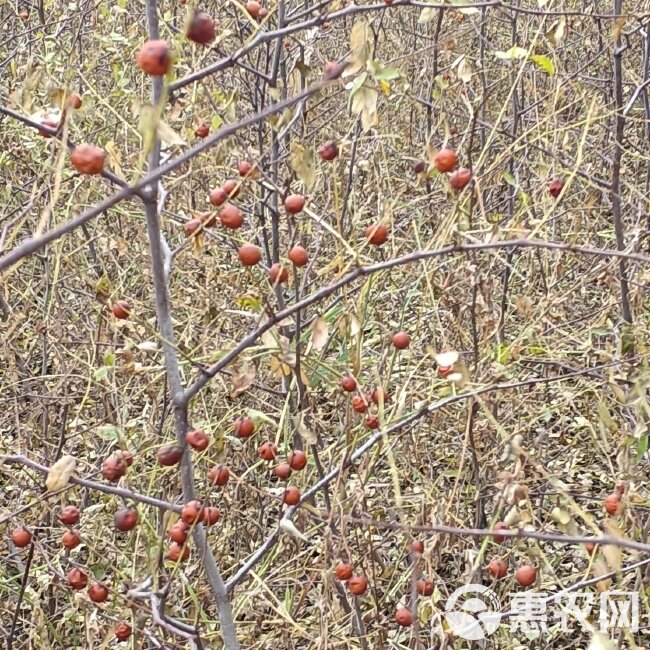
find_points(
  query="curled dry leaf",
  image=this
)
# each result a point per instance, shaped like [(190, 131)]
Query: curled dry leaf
[(60, 473), (302, 423), (289, 527), (301, 161), (242, 378), (319, 334)]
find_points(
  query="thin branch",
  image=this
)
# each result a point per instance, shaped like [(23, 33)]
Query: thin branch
[(400, 426), (362, 271), (93, 485), (36, 243)]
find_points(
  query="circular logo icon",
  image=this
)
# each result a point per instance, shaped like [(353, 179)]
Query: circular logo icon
[(473, 612)]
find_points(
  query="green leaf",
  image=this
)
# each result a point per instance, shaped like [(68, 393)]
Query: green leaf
[(387, 74), (642, 447), (108, 432), (508, 178), (101, 373), (543, 62)]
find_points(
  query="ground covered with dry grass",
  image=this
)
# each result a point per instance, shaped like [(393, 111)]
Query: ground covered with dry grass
[(546, 412)]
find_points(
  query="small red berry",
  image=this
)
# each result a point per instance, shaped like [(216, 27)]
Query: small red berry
[(21, 537), (71, 539), (244, 427), (179, 532), (283, 471), (169, 455), (525, 575), (97, 592), (202, 130), (278, 274), (329, 150), (178, 553), (359, 404), (298, 256), (155, 58), (198, 439), (500, 526), (377, 234), (348, 384), (403, 615), (191, 512), (613, 504), (267, 451), (231, 216), (249, 255), (294, 203), (297, 459), (211, 515), (126, 519), (218, 196), (291, 496), (232, 188), (69, 515), (122, 631), (460, 178), (416, 546), (219, 475), (77, 579), (343, 571), (555, 187), (401, 340), (424, 587), (358, 585), (121, 309), (497, 568), (372, 421), (445, 160), (200, 28)]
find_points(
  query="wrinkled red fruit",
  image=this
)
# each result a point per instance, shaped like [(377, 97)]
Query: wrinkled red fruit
[(244, 427), (155, 58), (201, 28), (97, 592), (283, 471), (177, 553), (218, 196), (114, 468), (343, 571), (21, 537), (69, 515), (298, 256), (278, 274), (178, 532), (424, 587), (297, 459), (460, 178), (500, 526), (126, 519), (169, 455), (555, 187), (219, 475), (210, 515), (121, 309), (329, 150), (267, 451), (445, 160), (291, 496), (88, 159), (348, 384), (377, 234), (249, 255), (191, 512), (498, 569), (202, 131), (122, 631), (403, 616), (231, 216), (357, 585), (77, 579), (71, 539), (198, 440), (613, 504), (416, 546)]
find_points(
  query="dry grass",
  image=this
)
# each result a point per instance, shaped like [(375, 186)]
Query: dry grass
[(73, 380)]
